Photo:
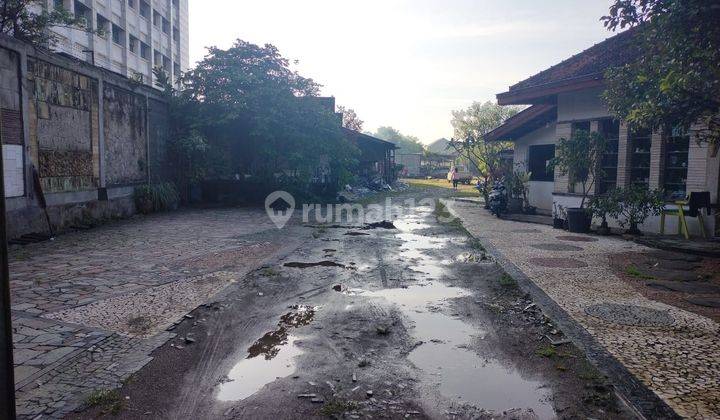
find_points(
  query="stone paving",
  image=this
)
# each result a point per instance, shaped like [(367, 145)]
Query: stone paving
[(89, 307), (672, 351)]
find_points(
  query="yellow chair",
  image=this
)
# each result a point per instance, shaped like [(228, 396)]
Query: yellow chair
[(682, 223)]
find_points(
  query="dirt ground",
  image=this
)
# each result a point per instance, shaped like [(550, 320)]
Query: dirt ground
[(411, 322), (682, 280)]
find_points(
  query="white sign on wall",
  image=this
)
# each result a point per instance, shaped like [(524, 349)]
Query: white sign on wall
[(13, 170)]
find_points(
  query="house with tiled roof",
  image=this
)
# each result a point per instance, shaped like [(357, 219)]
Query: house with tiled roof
[(568, 97)]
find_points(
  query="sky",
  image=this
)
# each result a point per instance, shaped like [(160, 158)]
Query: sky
[(406, 63)]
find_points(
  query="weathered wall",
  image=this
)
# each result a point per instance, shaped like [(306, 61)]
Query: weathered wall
[(63, 122), (125, 137), (11, 125), (84, 129)]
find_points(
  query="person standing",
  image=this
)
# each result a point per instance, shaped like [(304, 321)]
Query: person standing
[(455, 178)]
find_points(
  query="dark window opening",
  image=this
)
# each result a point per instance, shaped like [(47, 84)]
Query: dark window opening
[(677, 148), (539, 158), (609, 129), (639, 144)]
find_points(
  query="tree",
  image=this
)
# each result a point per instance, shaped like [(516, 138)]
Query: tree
[(30, 21), (675, 79), (471, 125), (260, 118), (350, 119), (580, 158), (406, 144)]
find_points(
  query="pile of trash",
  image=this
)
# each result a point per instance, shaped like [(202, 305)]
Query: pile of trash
[(368, 186)]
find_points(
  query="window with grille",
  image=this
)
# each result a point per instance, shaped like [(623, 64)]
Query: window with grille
[(677, 148), (609, 129)]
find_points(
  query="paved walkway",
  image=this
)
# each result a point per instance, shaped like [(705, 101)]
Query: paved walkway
[(89, 307), (673, 352)]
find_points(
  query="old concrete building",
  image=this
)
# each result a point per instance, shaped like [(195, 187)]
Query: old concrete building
[(134, 36), (567, 97), (89, 134)]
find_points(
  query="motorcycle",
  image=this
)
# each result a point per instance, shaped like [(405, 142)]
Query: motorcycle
[(497, 199)]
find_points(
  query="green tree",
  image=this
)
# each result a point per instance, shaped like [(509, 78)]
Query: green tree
[(675, 79), (350, 119), (260, 118), (579, 157), (471, 125), (405, 143), (30, 21)]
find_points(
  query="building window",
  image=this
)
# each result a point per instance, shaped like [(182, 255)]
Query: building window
[(176, 70), (639, 143), (83, 13), (157, 18), (59, 4), (580, 126), (176, 34), (102, 25), (157, 59), (677, 148), (133, 44), (144, 9), (132, 3), (118, 35), (609, 129), (166, 26), (144, 50), (539, 158)]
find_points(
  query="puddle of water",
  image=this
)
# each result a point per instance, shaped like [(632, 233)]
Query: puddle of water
[(270, 357), (461, 374), (315, 264)]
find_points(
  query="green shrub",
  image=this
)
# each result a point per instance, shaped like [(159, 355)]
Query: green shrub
[(156, 197)]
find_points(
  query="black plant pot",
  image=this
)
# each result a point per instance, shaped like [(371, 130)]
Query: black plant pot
[(578, 220), (558, 223)]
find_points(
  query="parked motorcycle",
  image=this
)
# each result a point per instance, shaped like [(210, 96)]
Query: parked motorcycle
[(497, 199)]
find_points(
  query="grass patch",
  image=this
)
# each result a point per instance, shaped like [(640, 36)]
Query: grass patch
[(139, 324), (269, 272), (507, 281), (444, 216), (475, 244), (109, 400), (464, 190), (338, 407), (588, 374), (633, 271), (547, 351)]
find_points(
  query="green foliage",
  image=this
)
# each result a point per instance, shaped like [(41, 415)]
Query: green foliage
[(637, 203), (605, 204), (243, 113), (676, 78), (633, 271), (507, 281), (156, 197), (30, 21), (546, 351), (108, 400), (350, 119), (471, 125), (406, 144), (579, 157)]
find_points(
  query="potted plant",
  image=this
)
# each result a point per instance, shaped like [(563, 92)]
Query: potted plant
[(636, 204), (605, 205), (517, 186), (579, 158), (558, 216)]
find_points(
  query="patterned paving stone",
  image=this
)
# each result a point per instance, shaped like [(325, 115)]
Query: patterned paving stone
[(679, 362), (577, 238), (558, 262), (557, 247), (90, 306), (630, 315)]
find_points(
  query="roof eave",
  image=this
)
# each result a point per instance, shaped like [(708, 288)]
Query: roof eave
[(544, 93)]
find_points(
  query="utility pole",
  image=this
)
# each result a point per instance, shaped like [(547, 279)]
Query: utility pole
[(7, 372)]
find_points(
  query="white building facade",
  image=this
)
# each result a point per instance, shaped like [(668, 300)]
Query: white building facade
[(134, 36), (568, 97)]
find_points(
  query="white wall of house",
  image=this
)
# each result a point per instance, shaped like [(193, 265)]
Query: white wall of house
[(703, 167), (540, 193), (581, 105)]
